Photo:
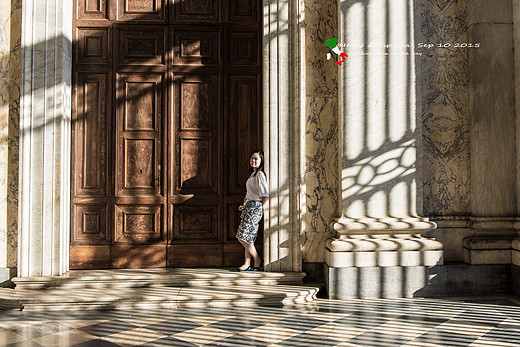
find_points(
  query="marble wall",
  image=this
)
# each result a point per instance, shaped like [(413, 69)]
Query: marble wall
[(320, 143), (10, 58), (443, 106)]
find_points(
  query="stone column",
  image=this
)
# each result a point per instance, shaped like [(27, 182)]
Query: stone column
[(282, 134), (10, 33), (492, 133), (379, 248), (515, 273), (320, 120), (443, 100), (44, 225)]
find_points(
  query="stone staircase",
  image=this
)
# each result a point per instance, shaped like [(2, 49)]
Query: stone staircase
[(156, 288)]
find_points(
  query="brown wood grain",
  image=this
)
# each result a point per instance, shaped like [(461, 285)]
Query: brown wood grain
[(166, 110)]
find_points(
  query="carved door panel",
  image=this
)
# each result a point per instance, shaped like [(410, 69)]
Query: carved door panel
[(139, 211), (195, 171), (166, 109), (214, 125)]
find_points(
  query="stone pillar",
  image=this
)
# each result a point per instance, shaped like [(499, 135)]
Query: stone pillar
[(320, 120), (379, 248), (443, 98), (515, 273), (10, 34), (492, 134), (44, 225), (282, 134)]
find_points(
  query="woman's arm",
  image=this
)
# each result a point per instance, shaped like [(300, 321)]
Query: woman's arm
[(265, 199)]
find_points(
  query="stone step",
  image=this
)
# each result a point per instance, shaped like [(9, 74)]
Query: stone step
[(155, 297), (160, 277)]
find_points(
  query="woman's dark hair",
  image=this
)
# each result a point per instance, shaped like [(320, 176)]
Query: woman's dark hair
[(261, 167)]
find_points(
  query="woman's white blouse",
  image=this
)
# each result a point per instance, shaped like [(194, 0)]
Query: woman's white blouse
[(256, 186)]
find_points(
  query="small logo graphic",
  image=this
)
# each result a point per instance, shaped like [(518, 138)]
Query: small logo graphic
[(332, 44)]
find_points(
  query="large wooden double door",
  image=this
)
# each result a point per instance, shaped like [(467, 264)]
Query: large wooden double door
[(166, 109)]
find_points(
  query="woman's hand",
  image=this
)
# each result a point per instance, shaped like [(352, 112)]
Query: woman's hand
[(264, 203)]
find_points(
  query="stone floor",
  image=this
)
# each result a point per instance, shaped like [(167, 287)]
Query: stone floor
[(383, 322)]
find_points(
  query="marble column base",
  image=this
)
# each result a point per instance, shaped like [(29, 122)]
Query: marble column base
[(383, 250), (491, 242), (385, 258), (375, 282), (451, 231), (412, 225), (385, 243), (421, 281), (487, 249), (483, 250)]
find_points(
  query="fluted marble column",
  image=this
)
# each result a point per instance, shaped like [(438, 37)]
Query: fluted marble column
[(282, 134), (45, 137), (492, 137), (379, 248)]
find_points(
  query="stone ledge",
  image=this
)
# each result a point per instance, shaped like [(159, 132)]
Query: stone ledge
[(484, 243), (158, 277), (515, 244), (515, 257), (57, 299), (451, 222), (486, 256), (493, 224)]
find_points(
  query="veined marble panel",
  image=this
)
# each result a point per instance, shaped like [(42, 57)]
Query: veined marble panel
[(320, 186), (4, 120), (15, 80), (442, 84), (10, 58)]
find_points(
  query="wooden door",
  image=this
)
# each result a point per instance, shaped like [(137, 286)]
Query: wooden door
[(166, 110)]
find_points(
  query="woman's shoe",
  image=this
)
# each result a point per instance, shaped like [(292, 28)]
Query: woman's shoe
[(240, 270), (257, 268)]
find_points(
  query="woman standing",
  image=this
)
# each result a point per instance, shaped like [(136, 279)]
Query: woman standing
[(255, 202)]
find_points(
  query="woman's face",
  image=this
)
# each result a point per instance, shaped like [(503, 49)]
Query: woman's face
[(255, 161)]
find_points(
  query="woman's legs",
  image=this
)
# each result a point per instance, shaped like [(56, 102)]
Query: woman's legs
[(250, 251)]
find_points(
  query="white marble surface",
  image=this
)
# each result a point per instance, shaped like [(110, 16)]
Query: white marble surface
[(44, 141), (281, 135), (381, 137)]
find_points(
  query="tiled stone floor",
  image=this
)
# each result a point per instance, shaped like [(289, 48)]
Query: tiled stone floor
[(382, 322)]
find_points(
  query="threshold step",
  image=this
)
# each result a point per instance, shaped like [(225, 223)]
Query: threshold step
[(159, 277), (155, 297)]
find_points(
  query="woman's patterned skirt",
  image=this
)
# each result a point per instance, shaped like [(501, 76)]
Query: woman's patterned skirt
[(251, 215)]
